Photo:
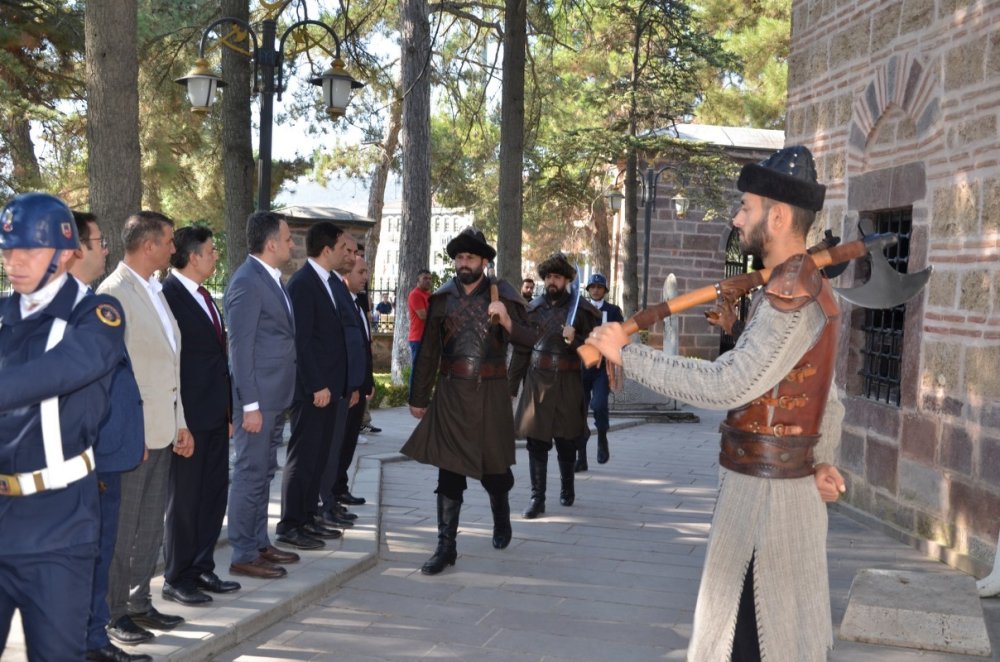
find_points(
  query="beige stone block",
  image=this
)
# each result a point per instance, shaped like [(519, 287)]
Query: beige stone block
[(975, 291), (844, 109), (964, 65), (972, 130), (993, 55), (917, 15), (991, 205), (885, 132), (942, 360), (885, 24), (819, 60), (941, 289), (906, 130), (849, 44), (981, 374), (956, 210)]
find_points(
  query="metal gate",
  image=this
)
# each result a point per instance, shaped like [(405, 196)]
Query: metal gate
[(736, 263)]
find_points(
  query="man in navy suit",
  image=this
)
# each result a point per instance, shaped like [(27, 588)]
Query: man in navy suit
[(120, 446), (197, 492), (320, 386), (333, 503), (355, 279), (262, 358), (595, 380)]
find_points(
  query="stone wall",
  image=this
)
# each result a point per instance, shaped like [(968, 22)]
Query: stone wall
[(899, 99)]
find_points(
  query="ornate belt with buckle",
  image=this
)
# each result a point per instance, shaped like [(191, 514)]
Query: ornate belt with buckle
[(33, 482)]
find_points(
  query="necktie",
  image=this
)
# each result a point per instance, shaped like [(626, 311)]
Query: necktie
[(333, 282), (211, 311)]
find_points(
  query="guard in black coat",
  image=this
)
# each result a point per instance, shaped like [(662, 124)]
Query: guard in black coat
[(52, 402), (199, 485)]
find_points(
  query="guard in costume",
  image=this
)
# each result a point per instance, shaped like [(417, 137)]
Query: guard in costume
[(552, 408), (764, 590), (467, 428), (59, 347)]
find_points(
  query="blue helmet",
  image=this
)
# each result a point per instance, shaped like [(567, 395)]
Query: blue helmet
[(597, 279), (37, 220)]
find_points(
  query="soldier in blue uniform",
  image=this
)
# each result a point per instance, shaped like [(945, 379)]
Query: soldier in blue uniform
[(58, 349)]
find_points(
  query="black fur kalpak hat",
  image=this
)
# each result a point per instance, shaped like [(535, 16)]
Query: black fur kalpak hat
[(788, 175), (470, 240), (556, 264)]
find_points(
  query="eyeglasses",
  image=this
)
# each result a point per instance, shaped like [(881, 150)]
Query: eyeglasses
[(103, 240)]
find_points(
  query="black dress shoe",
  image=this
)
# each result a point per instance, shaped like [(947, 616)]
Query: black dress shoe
[(126, 631), (209, 581), (185, 595), (344, 513), (322, 531), (350, 500), (336, 520), (112, 653), (156, 620), (299, 540)]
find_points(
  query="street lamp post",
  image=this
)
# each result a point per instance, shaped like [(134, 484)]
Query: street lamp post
[(202, 83), (681, 204)]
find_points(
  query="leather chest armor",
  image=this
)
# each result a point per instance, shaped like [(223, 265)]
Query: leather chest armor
[(472, 348), (774, 435), (551, 352)]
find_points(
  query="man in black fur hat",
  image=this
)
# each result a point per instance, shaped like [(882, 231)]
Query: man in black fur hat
[(764, 589), (467, 429), (552, 405)]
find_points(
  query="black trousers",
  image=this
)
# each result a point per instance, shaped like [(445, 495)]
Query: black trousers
[(565, 449), (452, 485), (308, 450), (355, 416), (196, 504), (746, 645)]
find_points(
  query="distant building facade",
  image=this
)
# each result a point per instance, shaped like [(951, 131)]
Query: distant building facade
[(445, 224)]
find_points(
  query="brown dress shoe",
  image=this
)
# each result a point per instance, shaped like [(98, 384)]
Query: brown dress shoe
[(275, 555), (259, 568)]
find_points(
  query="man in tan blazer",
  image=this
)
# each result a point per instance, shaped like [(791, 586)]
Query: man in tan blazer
[(153, 341)]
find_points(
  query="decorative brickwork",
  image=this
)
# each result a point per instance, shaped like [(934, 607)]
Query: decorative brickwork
[(920, 80)]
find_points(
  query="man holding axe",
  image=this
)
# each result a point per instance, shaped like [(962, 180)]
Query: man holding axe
[(765, 576), (467, 428)]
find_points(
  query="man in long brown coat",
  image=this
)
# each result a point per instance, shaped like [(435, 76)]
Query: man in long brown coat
[(467, 428), (552, 405)]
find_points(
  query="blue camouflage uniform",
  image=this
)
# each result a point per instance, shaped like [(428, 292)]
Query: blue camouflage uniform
[(49, 539)]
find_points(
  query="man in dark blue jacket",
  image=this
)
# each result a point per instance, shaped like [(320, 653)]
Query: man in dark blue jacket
[(119, 448), (59, 348), (595, 380)]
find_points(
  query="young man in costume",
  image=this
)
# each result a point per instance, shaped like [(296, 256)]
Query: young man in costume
[(467, 428), (764, 589), (552, 408)]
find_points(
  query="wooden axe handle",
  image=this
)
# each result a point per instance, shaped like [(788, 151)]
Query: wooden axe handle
[(495, 296), (739, 284)]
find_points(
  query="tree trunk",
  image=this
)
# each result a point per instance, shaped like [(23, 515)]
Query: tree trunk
[(237, 143), (114, 159), (630, 247), (415, 233), (16, 132), (515, 40), (380, 174), (601, 240)]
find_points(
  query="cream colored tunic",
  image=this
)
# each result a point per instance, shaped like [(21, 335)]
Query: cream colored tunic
[(783, 521)]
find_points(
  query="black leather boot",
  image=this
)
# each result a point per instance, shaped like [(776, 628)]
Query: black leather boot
[(502, 532), (581, 455), (567, 495), (445, 555), (538, 468), (603, 455)]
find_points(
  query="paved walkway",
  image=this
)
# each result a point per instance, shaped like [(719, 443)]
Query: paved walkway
[(612, 578)]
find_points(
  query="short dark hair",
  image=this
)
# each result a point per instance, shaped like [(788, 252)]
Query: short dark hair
[(262, 226), (188, 240), (83, 220), (143, 226), (528, 280), (320, 235), (802, 219), (422, 272)]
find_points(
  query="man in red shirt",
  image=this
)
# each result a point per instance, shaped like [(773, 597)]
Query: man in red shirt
[(417, 303)]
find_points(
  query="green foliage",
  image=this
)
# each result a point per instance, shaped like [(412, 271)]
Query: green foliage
[(388, 394)]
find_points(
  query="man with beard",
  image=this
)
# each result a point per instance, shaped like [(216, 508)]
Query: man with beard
[(552, 405), (764, 586), (467, 429), (528, 289)]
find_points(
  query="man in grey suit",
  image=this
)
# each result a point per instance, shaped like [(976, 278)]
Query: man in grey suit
[(153, 342), (262, 358)]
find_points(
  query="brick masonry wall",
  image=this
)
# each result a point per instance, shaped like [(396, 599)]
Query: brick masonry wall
[(899, 99)]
